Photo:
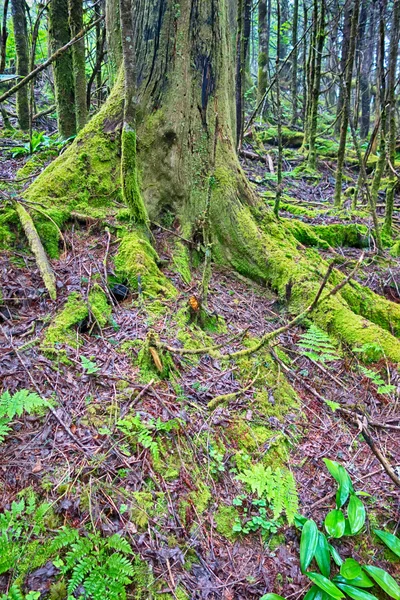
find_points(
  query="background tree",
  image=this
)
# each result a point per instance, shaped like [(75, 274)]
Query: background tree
[(18, 12)]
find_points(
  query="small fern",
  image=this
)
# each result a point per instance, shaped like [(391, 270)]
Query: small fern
[(382, 386), (146, 432), (100, 565), (317, 345), (278, 487), (12, 406)]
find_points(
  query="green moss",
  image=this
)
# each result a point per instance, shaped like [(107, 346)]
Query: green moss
[(83, 180), (224, 518), (276, 541), (129, 177), (60, 330), (291, 138), (395, 249), (325, 236), (201, 497), (153, 362), (181, 261), (99, 307), (136, 261), (58, 591)]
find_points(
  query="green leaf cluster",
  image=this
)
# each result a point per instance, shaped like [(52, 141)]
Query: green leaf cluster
[(317, 345), (14, 405)]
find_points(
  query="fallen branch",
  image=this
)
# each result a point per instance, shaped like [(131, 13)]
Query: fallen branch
[(37, 248)]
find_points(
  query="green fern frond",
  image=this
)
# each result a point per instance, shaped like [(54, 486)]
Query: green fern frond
[(118, 543), (317, 345)]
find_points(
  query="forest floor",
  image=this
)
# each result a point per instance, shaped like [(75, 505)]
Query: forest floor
[(176, 504)]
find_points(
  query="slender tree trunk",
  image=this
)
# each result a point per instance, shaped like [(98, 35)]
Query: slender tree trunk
[(367, 53), (4, 36), (346, 95), (294, 87), (21, 47), (304, 107), (75, 8), (316, 85), (279, 112), (344, 59), (381, 105), (391, 109), (242, 49), (263, 49), (59, 34)]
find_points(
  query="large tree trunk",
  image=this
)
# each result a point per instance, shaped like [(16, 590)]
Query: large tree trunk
[(178, 147)]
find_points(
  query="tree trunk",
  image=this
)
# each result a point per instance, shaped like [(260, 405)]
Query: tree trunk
[(21, 47), (78, 61), (367, 53), (391, 114), (346, 95), (316, 85), (344, 57), (181, 140), (4, 36), (59, 34), (264, 22), (294, 89)]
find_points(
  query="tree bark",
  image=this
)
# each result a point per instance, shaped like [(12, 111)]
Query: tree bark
[(75, 8), (4, 36), (391, 114), (344, 57), (18, 12), (346, 95), (59, 35), (294, 87), (367, 53), (264, 22)]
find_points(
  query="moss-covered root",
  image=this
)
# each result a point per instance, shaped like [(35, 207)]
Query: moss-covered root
[(37, 249), (129, 176), (136, 261), (60, 331)]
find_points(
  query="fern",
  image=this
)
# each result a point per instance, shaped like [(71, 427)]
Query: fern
[(12, 406), (146, 432), (382, 386), (97, 564), (317, 345), (278, 488)]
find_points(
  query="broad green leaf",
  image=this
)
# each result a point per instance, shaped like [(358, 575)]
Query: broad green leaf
[(322, 555), (356, 514), (333, 468), (335, 555), (326, 585), (308, 543), (363, 581), (340, 474), (385, 581), (391, 541), (314, 593), (350, 569), (272, 596), (335, 523), (355, 593)]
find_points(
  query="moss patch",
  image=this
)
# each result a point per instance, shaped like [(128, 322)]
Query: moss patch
[(60, 330)]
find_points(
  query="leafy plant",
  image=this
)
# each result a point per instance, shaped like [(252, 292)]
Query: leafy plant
[(12, 406), (146, 432), (390, 540), (256, 518), (351, 577), (90, 367), (25, 520), (40, 141), (382, 386), (99, 566), (217, 460), (317, 345), (277, 487)]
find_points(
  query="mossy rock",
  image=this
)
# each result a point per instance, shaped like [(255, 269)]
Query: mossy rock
[(290, 138)]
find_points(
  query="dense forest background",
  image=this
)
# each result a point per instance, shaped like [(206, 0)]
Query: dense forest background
[(199, 299)]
